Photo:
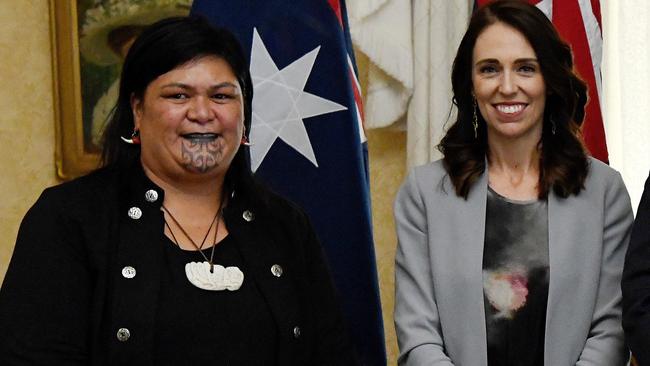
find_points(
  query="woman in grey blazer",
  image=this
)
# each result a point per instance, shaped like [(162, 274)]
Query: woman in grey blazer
[(511, 247)]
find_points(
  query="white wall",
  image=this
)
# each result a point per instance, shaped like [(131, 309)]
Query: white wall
[(626, 84)]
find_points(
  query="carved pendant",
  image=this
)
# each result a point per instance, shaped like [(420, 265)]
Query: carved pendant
[(221, 278)]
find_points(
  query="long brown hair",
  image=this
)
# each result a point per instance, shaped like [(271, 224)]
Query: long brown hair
[(564, 164)]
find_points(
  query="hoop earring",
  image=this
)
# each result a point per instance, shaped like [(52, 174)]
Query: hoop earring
[(135, 138), (475, 121)]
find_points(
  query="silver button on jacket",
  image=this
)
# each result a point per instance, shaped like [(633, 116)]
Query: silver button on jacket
[(123, 334), (128, 272), (296, 332), (135, 213), (151, 196), (248, 216), (276, 269)]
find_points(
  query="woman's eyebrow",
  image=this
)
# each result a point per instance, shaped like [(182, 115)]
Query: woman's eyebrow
[(495, 61), (225, 84)]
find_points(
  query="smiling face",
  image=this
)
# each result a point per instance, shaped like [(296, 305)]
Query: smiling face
[(508, 84), (190, 120)]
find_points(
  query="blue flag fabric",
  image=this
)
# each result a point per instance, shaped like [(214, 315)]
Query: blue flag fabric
[(308, 143)]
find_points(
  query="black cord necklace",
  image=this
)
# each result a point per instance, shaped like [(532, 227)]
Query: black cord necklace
[(206, 275), (217, 218)]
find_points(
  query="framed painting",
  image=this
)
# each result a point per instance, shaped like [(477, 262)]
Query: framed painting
[(90, 39)]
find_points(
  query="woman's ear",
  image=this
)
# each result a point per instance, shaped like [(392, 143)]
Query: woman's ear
[(136, 108)]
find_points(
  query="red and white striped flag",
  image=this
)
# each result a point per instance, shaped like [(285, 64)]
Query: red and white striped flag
[(354, 79), (579, 24)]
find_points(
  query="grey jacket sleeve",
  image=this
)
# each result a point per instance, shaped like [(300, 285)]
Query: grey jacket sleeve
[(605, 344), (416, 317), (636, 283)]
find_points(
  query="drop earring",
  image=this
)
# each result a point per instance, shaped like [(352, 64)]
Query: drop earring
[(475, 120), (244, 139), (552, 126)]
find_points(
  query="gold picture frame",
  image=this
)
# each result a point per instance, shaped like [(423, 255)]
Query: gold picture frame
[(71, 157), (90, 39)]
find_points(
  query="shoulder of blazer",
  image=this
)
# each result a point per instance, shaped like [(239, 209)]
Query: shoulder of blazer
[(86, 191), (275, 218), (434, 169), (275, 210), (600, 172), (433, 177)]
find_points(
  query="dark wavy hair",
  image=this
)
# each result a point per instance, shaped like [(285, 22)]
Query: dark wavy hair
[(161, 47), (564, 164)]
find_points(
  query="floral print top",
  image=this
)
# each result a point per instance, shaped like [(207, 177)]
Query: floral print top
[(515, 280)]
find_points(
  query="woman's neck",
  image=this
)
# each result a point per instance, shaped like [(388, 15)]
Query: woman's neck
[(193, 203), (513, 168)]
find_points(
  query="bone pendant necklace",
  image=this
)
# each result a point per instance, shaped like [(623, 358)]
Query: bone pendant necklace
[(206, 275)]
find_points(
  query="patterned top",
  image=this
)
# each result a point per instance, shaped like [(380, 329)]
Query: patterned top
[(515, 280)]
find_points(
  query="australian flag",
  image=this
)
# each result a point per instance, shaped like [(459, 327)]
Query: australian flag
[(308, 139)]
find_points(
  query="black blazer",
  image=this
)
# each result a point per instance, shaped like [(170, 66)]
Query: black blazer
[(64, 296), (636, 283)]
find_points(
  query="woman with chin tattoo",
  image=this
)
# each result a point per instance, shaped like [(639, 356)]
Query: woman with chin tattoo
[(171, 253), (511, 247)]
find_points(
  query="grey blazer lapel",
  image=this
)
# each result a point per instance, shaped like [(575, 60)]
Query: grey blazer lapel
[(570, 262), (475, 213), (461, 302)]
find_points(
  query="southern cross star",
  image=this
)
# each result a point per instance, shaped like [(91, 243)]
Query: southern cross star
[(280, 103)]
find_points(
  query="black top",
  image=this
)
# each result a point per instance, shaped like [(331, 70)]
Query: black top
[(196, 326), (66, 301), (515, 280)]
